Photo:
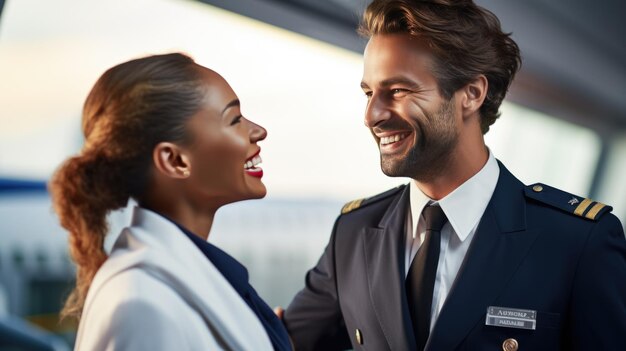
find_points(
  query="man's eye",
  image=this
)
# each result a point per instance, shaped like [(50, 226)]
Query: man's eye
[(368, 94), (236, 120), (398, 91)]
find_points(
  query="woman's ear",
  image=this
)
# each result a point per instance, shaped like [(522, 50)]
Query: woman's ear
[(473, 95), (171, 161)]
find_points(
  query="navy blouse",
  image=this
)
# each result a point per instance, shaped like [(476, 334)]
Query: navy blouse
[(237, 275)]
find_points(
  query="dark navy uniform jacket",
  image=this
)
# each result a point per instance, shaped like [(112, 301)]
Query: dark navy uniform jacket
[(536, 248)]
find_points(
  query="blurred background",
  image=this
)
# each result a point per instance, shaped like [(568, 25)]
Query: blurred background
[(296, 66)]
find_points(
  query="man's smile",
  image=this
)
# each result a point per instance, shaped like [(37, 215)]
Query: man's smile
[(391, 141)]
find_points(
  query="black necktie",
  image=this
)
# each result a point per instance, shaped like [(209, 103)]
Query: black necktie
[(421, 278)]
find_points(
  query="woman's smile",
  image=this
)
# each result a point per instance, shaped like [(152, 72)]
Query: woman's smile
[(251, 165)]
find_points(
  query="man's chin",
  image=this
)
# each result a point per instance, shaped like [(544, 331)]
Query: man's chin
[(392, 169)]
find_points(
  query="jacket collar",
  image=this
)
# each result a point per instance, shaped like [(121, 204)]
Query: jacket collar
[(157, 247)]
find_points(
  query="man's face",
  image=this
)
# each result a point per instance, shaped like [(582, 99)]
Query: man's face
[(415, 127)]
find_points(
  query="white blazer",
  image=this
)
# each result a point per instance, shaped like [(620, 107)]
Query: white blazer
[(157, 291)]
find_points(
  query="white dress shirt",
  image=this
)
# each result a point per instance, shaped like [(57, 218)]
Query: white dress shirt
[(464, 208)]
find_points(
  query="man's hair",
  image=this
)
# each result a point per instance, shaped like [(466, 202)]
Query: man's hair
[(466, 41)]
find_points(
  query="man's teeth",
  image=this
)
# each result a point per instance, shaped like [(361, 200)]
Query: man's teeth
[(252, 163), (392, 139)]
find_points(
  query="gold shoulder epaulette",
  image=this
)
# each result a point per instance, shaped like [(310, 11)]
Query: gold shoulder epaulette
[(351, 206), (579, 206)]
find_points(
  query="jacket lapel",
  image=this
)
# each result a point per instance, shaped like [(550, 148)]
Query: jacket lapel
[(500, 244), (384, 259)]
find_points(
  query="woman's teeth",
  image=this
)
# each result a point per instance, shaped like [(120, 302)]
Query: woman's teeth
[(253, 162), (392, 139)]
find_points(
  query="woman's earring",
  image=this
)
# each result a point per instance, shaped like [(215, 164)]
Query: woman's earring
[(186, 172)]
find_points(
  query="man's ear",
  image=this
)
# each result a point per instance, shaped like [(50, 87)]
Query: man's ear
[(473, 95), (171, 161)]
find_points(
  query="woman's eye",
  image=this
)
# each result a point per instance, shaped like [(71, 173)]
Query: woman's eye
[(236, 120)]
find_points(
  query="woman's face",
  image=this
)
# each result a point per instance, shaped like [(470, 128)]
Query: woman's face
[(223, 152)]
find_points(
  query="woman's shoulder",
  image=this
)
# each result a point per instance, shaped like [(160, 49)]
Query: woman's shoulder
[(133, 304), (132, 289)]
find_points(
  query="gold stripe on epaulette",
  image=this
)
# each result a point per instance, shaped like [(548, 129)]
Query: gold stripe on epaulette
[(351, 206), (594, 210), (582, 207)]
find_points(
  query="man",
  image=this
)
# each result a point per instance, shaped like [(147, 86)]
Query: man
[(465, 257)]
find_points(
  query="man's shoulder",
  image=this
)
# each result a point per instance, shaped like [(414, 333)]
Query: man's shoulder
[(359, 204), (565, 203)]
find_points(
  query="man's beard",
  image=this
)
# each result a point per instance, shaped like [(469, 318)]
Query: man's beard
[(431, 150)]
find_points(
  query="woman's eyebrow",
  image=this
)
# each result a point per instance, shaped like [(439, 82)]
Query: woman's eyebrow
[(231, 104)]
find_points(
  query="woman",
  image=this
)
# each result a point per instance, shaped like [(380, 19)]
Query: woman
[(168, 133)]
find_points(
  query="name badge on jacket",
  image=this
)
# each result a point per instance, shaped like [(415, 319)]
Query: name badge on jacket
[(511, 318)]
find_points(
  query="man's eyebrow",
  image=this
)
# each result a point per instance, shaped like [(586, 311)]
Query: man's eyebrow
[(394, 80), (399, 80), (231, 104)]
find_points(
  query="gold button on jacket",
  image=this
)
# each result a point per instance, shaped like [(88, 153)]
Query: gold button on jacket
[(510, 345), (359, 337)]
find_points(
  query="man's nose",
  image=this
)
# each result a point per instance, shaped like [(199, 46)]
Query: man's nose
[(376, 112)]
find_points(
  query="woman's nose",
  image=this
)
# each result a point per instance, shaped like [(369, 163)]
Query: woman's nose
[(257, 133)]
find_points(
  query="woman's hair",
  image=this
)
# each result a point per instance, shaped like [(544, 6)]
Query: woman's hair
[(465, 39), (132, 107)]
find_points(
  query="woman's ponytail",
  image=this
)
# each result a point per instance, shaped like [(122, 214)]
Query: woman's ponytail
[(84, 190)]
